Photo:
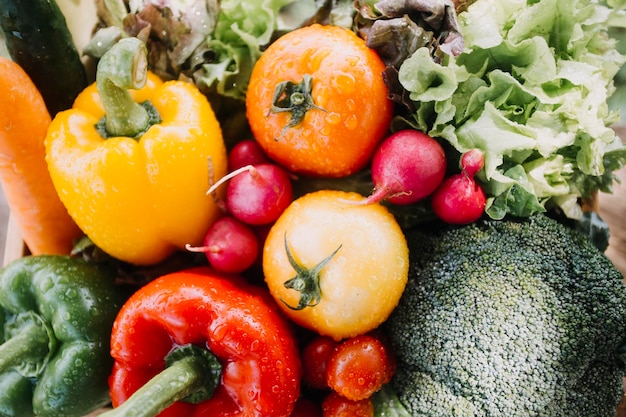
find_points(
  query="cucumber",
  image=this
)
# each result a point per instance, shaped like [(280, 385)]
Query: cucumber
[(38, 39)]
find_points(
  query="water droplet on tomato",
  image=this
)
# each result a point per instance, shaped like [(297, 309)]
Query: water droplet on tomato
[(333, 118), (317, 58), (345, 83), (353, 60), (341, 261), (351, 122)]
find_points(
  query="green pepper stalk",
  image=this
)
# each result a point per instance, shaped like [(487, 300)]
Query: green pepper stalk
[(123, 67), (57, 313), (191, 375)]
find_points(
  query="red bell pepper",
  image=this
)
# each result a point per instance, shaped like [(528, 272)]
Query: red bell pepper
[(194, 343)]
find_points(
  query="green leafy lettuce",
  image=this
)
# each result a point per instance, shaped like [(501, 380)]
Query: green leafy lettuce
[(530, 90), (213, 42)]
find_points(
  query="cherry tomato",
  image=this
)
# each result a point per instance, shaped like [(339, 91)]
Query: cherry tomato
[(334, 405), (359, 366), (317, 102), (314, 358), (336, 266)]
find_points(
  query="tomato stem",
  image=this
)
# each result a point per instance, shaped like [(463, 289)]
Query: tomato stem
[(306, 281), (295, 99)]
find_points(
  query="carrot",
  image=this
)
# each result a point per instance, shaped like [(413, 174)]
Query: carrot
[(44, 223)]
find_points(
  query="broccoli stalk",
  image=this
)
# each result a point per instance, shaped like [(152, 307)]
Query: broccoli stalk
[(507, 318)]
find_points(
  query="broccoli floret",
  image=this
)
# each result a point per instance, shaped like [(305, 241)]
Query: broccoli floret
[(509, 318)]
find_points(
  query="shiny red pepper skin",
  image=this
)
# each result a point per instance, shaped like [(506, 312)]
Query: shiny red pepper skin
[(260, 362)]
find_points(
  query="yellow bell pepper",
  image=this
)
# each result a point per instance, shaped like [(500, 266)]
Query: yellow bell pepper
[(134, 177)]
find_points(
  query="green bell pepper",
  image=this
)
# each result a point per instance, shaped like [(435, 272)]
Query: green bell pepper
[(57, 313)]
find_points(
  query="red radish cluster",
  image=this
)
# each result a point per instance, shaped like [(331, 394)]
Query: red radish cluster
[(459, 199), (257, 192), (407, 167), (410, 165)]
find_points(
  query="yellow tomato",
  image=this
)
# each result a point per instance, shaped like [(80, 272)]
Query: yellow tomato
[(335, 266)]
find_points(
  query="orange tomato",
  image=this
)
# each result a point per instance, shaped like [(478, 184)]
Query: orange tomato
[(317, 102)]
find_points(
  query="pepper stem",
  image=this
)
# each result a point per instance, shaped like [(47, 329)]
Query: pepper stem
[(29, 346), (192, 375), (123, 67)]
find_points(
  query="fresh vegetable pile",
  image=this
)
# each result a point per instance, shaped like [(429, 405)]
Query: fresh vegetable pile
[(301, 208)]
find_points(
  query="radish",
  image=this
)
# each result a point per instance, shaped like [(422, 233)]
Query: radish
[(230, 246), (257, 194), (472, 161), (406, 167), (460, 199), (246, 152)]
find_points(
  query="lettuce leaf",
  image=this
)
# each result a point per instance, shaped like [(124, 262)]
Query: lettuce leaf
[(212, 43), (530, 90), (242, 30)]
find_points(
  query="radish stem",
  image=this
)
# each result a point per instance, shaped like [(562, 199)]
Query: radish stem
[(250, 168)]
